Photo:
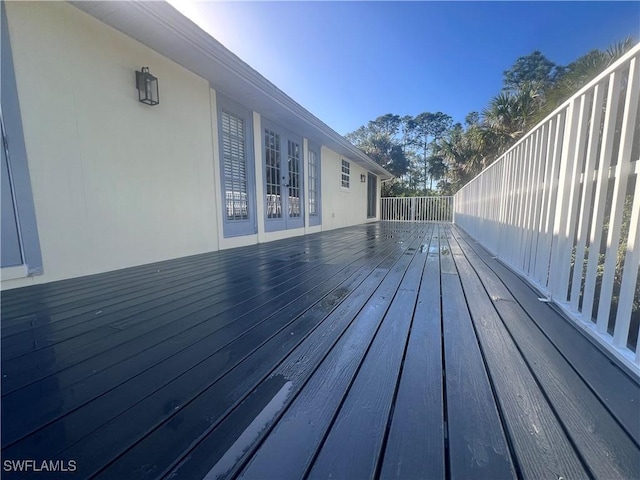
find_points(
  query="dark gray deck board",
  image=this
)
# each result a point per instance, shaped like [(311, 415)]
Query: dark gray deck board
[(246, 379), (201, 342), (619, 391), (372, 390), (415, 446), (73, 324), (478, 447), (353, 353), (308, 417), (196, 307), (599, 439), (537, 436)]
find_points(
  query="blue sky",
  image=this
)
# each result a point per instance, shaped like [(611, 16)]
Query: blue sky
[(349, 62)]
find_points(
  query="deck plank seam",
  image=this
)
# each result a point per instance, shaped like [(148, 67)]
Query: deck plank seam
[(383, 446), (551, 404), (193, 398), (445, 409), (242, 463), (541, 388), (240, 302), (175, 353), (571, 365)]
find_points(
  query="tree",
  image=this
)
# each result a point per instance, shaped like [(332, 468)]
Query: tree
[(472, 118), (437, 167), (387, 125), (386, 152), (533, 68), (424, 148), (430, 127), (378, 141), (510, 114), (408, 141), (580, 72)]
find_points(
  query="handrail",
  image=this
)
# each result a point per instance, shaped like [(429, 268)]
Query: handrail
[(562, 207), (417, 209)]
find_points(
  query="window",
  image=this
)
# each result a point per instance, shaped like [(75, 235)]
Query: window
[(272, 165), (314, 186), (295, 209), (236, 168), (346, 171)]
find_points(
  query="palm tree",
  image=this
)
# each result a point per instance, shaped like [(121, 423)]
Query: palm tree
[(580, 72), (510, 114)]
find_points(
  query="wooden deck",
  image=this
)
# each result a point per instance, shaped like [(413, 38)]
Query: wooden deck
[(390, 350)]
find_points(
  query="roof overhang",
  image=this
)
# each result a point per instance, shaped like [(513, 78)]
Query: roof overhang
[(164, 29)]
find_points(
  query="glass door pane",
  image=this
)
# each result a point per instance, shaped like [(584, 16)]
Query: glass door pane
[(273, 171)]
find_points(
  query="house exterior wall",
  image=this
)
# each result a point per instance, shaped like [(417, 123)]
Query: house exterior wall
[(342, 207), (117, 183)]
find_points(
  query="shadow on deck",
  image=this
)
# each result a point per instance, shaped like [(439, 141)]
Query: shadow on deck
[(392, 350)]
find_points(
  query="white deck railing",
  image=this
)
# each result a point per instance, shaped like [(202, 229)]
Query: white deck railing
[(417, 209), (562, 207)]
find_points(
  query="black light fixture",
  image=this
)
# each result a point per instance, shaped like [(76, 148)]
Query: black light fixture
[(363, 178), (147, 86)]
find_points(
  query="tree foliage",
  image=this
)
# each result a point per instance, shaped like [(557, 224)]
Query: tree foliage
[(429, 148), (534, 68), (378, 139)]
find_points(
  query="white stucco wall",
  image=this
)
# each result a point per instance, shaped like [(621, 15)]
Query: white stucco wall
[(342, 207), (116, 183)]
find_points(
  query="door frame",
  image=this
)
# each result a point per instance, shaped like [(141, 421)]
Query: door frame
[(248, 226), (285, 221), (17, 164), (372, 195)]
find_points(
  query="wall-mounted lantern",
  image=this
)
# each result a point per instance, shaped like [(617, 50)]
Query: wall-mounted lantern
[(147, 86), (363, 178)]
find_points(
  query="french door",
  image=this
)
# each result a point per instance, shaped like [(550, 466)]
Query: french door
[(283, 177)]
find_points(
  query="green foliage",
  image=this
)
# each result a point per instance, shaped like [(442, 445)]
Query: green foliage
[(378, 140), (580, 72), (429, 148), (533, 68)]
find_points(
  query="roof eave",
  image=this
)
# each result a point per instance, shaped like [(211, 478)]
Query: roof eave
[(164, 29)]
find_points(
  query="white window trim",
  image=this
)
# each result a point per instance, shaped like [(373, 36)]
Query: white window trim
[(348, 174)]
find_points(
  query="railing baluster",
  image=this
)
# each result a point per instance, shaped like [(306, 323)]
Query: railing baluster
[(600, 195), (417, 209), (562, 231), (587, 194), (622, 172), (552, 208)]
